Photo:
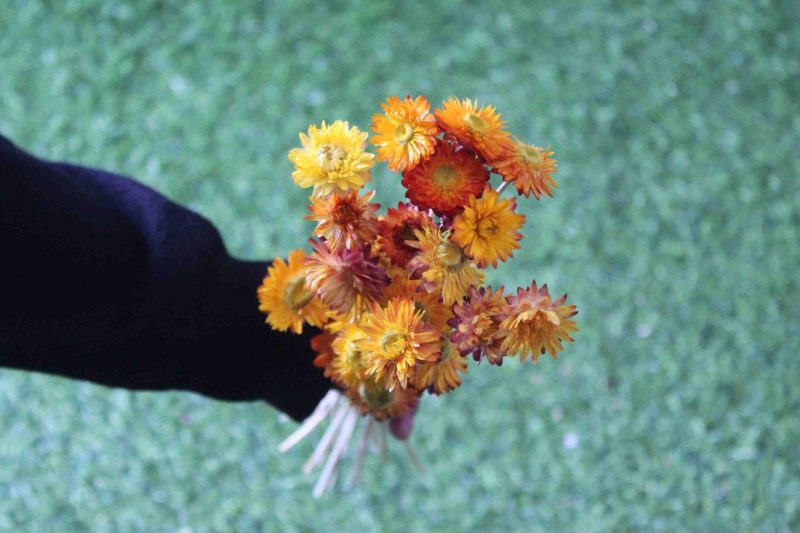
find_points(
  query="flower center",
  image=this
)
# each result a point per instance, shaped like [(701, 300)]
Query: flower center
[(344, 213), (330, 157), (482, 324), (476, 123), (445, 176), (353, 357), (295, 295), (487, 227), (394, 344), (451, 255), (407, 233), (531, 155), (403, 132)]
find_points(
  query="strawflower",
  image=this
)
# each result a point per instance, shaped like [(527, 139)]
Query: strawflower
[(445, 181), (536, 324), (406, 133), (349, 365), (398, 228), (479, 128), (442, 376), (434, 311), (476, 324), (284, 297), (345, 221), (443, 265), (487, 228), (529, 168), (332, 159), (343, 276), (372, 398), (396, 339), (321, 344)]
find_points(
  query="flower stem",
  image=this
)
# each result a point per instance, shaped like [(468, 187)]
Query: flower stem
[(502, 186), (309, 424)]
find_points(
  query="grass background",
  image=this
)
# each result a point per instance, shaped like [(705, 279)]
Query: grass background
[(674, 229)]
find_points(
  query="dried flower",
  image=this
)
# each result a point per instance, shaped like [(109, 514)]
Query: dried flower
[(442, 376), (477, 326), (340, 277), (372, 398), (332, 159), (445, 181), (478, 128), (345, 221), (349, 365), (536, 324), (398, 228), (406, 134), (487, 228), (396, 339), (443, 265), (529, 168), (284, 297)]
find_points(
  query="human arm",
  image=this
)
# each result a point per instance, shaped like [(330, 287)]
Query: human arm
[(108, 281)]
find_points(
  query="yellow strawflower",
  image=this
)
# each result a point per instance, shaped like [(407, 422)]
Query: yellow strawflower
[(284, 297), (395, 340), (444, 266), (332, 159), (443, 376), (487, 228)]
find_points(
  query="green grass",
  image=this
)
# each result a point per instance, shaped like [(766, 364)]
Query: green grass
[(675, 229)]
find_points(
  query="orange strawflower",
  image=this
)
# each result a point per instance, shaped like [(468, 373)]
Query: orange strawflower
[(476, 324), (284, 297), (398, 228), (434, 311), (443, 265), (342, 276), (445, 181), (349, 365), (536, 324), (321, 344), (529, 167), (400, 284), (345, 221), (487, 228), (406, 134), (442, 376), (396, 339), (479, 128)]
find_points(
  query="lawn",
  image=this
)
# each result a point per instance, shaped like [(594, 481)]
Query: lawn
[(675, 229)]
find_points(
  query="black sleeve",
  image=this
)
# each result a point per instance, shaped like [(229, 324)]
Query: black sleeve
[(103, 279)]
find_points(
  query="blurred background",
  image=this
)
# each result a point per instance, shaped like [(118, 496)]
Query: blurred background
[(675, 229)]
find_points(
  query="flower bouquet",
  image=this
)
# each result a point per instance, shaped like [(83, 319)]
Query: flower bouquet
[(400, 297)]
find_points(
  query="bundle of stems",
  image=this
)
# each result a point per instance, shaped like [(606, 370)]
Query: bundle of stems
[(344, 421)]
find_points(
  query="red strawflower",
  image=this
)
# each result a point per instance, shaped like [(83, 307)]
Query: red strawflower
[(445, 181), (398, 228)]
